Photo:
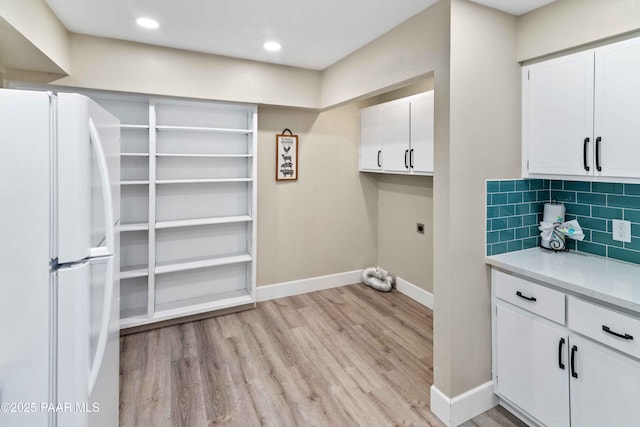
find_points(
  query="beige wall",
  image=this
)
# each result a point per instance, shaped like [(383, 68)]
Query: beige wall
[(404, 201), (100, 63), (42, 41), (326, 222), (416, 47), (484, 143), (567, 24)]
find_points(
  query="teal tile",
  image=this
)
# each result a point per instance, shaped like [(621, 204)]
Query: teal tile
[(493, 186), (536, 207), (488, 225), (542, 196), (522, 209), (529, 196), (530, 219), (563, 196), (624, 201), (498, 224), (592, 199), (606, 187), (493, 237), (607, 213), (508, 234), (592, 248), (571, 244), (575, 209), (635, 229), (577, 186), (499, 199), (632, 215), (604, 238), (536, 184), (635, 244), (522, 232), (592, 223), (569, 217), (488, 250), (530, 243), (556, 185), (546, 184), (507, 210), (515, 197), (507, 186), (632, 189), (522, 185), (624, 255), (514, 222), (516, 245), (493, 211), (610, 226), (499, 248), (534, 231)]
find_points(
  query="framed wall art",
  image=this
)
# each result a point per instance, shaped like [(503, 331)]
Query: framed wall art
[(286, 156)]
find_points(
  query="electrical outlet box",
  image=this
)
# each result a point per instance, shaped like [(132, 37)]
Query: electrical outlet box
[(621, 230)]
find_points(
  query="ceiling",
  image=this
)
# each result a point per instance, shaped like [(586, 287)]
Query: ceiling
[(313, 34)]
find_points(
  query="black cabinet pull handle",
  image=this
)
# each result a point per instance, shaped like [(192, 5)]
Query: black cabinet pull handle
[(405, 159), (560, 345), (598, 167), (379, 152), (584, 154), (623, 336), (574, 350), (533, 299), (411, 158)]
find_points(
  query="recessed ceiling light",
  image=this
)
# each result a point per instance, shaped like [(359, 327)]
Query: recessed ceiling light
[(147, 23), (272, 46)]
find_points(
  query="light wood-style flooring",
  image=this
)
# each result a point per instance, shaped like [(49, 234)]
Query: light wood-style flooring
[(348, 356)]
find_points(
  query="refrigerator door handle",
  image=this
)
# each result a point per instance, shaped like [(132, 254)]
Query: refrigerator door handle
[(104, 330), (107, 198)]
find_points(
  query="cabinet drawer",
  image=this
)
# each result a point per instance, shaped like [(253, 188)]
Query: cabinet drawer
[(530, 296), (607, 326)]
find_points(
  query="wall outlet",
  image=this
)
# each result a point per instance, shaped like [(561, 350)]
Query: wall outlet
[(622, 230), (420, 228)]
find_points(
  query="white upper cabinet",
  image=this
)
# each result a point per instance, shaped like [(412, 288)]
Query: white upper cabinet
[(371, 138), (421, 154), (617, 109), (579, 114), (397, 132), (397, 136)]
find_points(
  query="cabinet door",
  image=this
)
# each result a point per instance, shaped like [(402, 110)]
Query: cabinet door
[(557, 116), (617, 103), (607, 389), (529, 375), (396, 125), (422, 133), (371, 138)]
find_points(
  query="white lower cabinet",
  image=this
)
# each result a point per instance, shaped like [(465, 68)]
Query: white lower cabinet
[(556, 371)]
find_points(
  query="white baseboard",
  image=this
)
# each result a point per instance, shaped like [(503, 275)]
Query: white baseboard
[(415, 293), (453, 412), (312, 284)]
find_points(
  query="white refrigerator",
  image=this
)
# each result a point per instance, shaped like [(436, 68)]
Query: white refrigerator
[(59, 261)]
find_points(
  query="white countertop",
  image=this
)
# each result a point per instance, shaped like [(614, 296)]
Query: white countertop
[(603, 279)]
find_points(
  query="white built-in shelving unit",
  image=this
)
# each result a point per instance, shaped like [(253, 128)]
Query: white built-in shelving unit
[(188, 225)]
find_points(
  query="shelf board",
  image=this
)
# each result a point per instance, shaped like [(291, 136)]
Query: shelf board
[(134, 182), (201, 263), (142, 226), (134, 154), (186, 307), (203, 129), (131, 126), (203, 221), (202, 181), (134, 271), (230, 156)]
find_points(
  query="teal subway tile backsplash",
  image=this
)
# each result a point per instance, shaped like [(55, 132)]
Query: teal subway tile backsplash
[(514, 210)]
